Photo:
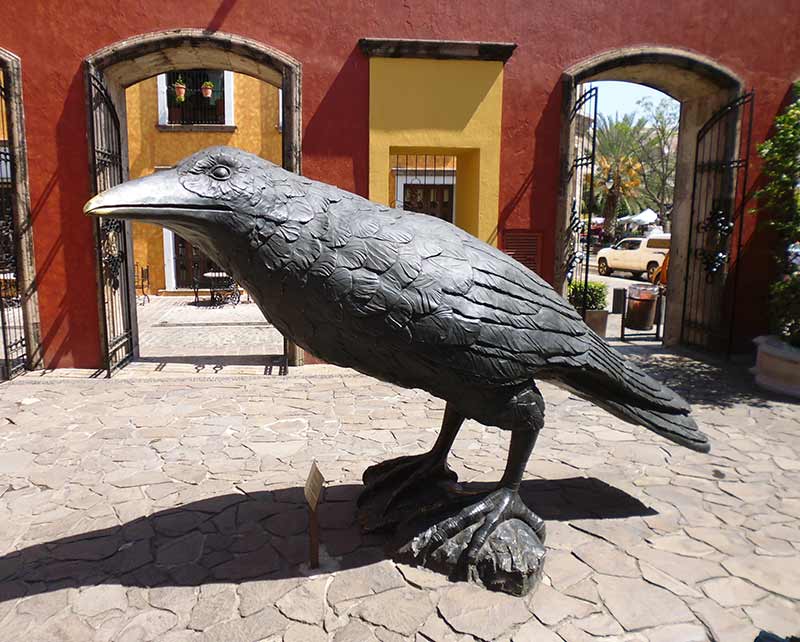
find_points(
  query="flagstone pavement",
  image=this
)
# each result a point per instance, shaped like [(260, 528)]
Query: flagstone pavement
[(171, 509)]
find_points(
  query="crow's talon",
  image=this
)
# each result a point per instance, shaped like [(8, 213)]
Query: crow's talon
[(497, 507), (374, 474), (397, 476)]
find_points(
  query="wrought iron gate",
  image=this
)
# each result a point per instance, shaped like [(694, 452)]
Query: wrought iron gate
[(14, 356), (715, 227), (583, 119), (112, 241)]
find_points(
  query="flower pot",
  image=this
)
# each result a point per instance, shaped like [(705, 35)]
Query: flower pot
[(206, 91), (180, 92), (597, 320), (777, 366)]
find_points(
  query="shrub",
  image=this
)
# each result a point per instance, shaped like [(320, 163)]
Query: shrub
[(596, 295), (785, 308), (781, 196)]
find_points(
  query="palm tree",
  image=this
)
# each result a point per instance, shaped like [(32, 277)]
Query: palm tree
[(618, 178)]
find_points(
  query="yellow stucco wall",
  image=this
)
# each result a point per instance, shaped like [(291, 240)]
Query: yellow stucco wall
[(255, 105), (440, 107)]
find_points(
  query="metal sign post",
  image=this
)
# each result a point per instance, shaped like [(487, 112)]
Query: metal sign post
[(312, 491)]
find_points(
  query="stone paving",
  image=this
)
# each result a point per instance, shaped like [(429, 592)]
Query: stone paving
[(178, 336), (171, 509)]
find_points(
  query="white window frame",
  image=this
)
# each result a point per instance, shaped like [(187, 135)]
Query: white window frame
[(169, 259), (163, 112), (447, 178)]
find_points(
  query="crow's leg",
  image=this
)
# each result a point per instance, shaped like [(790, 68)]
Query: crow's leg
[(397, 476), (502, 504)]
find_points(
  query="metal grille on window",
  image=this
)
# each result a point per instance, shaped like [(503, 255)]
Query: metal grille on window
[(424, 183), (13, 353), (196, 97)]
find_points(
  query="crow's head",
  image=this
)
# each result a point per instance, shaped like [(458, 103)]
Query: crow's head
[(213, 187)]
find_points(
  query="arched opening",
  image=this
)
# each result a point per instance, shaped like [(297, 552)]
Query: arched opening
[(19, 311), (118, 71), (702, 88)]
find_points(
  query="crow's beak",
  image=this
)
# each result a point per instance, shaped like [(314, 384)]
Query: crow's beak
[(158, 198)]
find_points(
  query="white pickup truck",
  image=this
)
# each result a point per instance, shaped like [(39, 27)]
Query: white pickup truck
[(636, 255)]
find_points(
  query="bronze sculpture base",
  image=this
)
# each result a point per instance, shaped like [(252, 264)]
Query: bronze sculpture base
[(511, 560)]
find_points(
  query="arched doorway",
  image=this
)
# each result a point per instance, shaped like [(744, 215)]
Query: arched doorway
[(709, 96), (19, 311), (108, 73)]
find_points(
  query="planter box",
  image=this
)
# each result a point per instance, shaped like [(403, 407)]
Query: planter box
[(597, 320), (777, 366)]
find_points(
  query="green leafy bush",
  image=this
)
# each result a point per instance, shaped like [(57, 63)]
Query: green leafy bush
[(781, 196), (785, 308), (596, 295)]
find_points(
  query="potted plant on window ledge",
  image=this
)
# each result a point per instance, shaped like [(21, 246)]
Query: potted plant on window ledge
[(207, 88), (778, 361), (596, 313), (180, 90)]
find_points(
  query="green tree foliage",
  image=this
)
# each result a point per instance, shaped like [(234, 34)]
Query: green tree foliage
[(636, 160), (781, 197), (658, 154), (618, 181)]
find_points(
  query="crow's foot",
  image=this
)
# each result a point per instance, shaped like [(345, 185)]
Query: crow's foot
[(481, 519), (398, 489), (419, 466), (495, 541), (397, 477)]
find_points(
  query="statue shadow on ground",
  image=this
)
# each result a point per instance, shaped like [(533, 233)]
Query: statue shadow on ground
[(257, 536)]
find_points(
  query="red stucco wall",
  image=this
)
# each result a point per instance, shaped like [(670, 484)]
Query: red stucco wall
[(756, 40)]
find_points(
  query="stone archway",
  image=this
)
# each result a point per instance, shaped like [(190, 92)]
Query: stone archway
[(130, 61), (14, 128), (701, 86)]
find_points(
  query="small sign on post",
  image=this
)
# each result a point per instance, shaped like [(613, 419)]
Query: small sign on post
[(313, 490)]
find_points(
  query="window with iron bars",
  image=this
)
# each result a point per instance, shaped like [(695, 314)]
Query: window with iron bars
[(195, 97), (424, 183)]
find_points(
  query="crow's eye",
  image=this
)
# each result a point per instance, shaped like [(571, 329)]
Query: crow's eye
[(220, 172)]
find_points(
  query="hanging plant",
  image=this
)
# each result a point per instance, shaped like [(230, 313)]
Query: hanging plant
[(180, 90), (207, 88)]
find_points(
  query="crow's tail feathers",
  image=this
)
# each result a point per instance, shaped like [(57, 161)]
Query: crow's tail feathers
[(621, 388), (678, 427)]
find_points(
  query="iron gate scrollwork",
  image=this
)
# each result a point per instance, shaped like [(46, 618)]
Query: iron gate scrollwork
[(583, 119), (715, 227), (112, 241), (14, 355)]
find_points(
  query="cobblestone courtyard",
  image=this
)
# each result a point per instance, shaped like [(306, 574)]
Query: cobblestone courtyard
[(177, 336), (171, 509)]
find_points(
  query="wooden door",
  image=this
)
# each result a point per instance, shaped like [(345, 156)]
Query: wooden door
[(435, 200), (186, 255)]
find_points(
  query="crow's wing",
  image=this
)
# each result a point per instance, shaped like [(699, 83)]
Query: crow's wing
[(418, 281), (417, 286), (430, 286)]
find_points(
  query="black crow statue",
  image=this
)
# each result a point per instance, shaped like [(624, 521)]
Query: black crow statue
[(408, 299)]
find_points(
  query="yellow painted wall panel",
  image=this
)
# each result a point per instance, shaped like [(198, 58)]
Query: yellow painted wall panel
[(442, 107), (256, 109)]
